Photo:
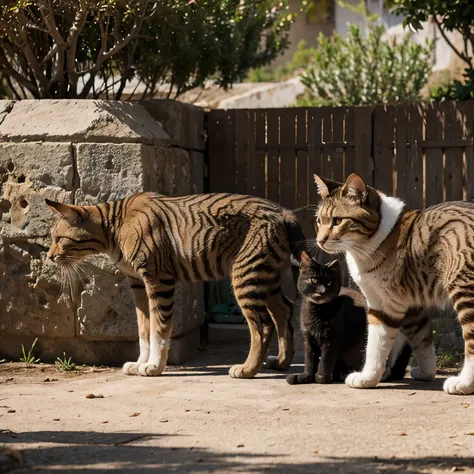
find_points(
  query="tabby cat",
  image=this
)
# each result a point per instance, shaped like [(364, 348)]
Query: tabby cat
[(334, 327), (157, 240), (403, 261)]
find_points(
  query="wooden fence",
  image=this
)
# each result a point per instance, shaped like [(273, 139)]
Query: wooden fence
[(423, 154)]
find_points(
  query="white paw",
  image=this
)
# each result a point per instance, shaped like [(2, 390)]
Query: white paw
[(148, 369), (387, 373), (457, 386), (418, 374), (361, 380), (130, 368)]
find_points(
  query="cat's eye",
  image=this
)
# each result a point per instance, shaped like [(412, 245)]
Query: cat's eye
[(314, 281), (336, 221)]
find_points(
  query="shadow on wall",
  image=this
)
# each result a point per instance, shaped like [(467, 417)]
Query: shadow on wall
[(99, 452)]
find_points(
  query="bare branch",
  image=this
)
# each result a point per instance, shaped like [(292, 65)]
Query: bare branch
[(466, 59)]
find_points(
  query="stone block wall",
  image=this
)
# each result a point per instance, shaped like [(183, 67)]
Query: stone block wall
[(86, 152)]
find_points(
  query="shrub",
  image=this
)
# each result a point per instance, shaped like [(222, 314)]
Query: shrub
[(366, 70), (82, 48)]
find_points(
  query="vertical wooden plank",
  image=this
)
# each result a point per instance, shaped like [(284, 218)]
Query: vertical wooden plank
[(401, 147), (434, 156), (468, 112), (244, 148), (273, 155), (302, 176), (338, 137), (288, 158), (315, 124), (384, 148), (415, 171), (363, 139), (349, 138), (257, 176), (221, 151), (328, 150), (454, 156)]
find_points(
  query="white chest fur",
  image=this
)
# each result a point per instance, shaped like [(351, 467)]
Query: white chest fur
[(390, 210)]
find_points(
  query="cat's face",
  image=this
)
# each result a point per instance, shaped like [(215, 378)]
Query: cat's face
[(319, 283), (347, 216), (76, 234)]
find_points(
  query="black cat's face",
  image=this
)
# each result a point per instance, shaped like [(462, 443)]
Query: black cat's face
[(319, 283)]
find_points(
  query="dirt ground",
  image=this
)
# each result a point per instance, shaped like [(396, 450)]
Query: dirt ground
[(199, 420)]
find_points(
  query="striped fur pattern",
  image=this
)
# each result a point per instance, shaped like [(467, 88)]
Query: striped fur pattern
[(157, 240), (403, 261)]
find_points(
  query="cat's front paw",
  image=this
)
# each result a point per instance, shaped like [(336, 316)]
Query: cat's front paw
[(458, 386), (272, 363), (241, 372), (386, 375), (130, 368), (361, 380), (148, 369), (323, 379), (418, 374), (298, 379)]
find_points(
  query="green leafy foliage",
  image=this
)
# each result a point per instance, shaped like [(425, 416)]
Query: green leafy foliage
[(366, 70), (65, 364), (300, 60), (83, 48), (28, 356), (457, 90), (450, 15)]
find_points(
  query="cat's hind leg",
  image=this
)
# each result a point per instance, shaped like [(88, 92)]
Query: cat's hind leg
[(281, 311), (382, 332), (417, 329), (141, 305), (463, 302)]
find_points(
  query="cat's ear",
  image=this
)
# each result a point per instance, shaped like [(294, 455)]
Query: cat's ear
[(71, 213), (334, 265), (323, 190), (355, 188), (305, 259)]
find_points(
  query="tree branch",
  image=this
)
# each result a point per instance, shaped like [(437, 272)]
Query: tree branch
[(466, 59)]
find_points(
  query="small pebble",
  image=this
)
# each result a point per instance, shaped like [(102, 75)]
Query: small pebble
[(163, 420), (91, 395), (11, 411)]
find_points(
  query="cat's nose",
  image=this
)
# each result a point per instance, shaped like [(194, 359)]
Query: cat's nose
[(321, 241)]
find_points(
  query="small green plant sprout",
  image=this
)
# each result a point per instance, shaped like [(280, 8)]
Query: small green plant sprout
[(65, 364), (28, 357)]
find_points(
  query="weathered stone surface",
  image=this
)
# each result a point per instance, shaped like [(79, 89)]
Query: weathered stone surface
[(189, 308), (29, 292), (29, 172), (29, 285), (197, 172), (184, 347), (81, 120), (113, 171), (184, 123), (5, 107)]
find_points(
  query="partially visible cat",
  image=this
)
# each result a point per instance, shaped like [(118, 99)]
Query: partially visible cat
[(334, 327)]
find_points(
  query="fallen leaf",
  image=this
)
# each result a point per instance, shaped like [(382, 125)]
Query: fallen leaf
[(453, 436), (187, 410), (469, 433), (9, 379), (11, 411), (163, 420), (106, 421), (56, 419), (241, 445), (47, 379), (465, 405), (401, 433), (286, 409), (91, 395), (135, 414), (459, 444), (411, 393), (315, 451)]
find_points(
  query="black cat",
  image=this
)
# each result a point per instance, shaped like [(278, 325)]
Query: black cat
[(334, 327)]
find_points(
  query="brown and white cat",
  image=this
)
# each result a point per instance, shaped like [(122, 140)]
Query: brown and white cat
[(403, 261), (158, 240)]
